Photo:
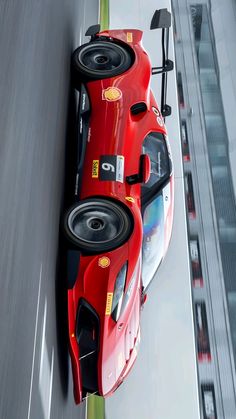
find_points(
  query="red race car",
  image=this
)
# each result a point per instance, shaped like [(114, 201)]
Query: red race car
[(120, 224)]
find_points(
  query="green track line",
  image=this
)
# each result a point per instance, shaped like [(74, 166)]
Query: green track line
[(96, 407), (104, 14), (96, 404)]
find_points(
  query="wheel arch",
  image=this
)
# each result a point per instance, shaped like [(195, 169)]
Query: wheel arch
[(84, 75), (128, 212)]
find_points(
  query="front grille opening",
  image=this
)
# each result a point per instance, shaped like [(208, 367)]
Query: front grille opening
[(88, 341)]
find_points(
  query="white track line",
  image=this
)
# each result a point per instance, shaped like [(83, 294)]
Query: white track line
[(86, 408), (35, 338), (45, 371), (51, 381)]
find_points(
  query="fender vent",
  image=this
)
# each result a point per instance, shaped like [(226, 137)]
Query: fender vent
[(138, 108), (88, 341)]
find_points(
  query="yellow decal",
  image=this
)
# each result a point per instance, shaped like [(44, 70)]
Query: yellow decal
[(109, 303), (104, 262), (129, 37), (129, 198), (95, 168), (111, 94)]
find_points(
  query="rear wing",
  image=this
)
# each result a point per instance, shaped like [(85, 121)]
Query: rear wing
[(162, 20)]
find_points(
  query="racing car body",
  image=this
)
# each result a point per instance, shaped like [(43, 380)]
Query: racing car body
[(120, 224)]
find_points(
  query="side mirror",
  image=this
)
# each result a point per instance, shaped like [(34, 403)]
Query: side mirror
[(145, 167), (161, 19), (144, 171), (166, 111)]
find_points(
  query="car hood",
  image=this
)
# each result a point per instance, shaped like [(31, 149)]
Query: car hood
[(95, 284)]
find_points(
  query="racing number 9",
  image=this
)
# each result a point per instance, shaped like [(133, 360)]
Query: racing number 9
[(108, 167), (112, 168)]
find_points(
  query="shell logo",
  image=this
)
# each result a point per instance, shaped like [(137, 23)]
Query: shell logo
[(111, 94), (104, 262)]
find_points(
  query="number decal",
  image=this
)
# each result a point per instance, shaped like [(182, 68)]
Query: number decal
[(108, 167), (112, 168)]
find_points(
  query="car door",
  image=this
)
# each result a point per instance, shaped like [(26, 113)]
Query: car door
[(153, 204)]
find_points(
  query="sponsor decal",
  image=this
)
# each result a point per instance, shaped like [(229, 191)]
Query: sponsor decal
[(129, 37), (160, 121), (111, 94), (156, 111), (112, 168), (81, 125), (104, 262), (130, 199), (83, 101), (158, 115), (109, 303), (95, 168), (120, 168)]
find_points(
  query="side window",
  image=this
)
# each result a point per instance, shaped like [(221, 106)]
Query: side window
[(153, 238), (155, 146)]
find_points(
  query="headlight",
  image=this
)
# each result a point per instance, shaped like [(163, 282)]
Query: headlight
[(119, 293), (130, 287)]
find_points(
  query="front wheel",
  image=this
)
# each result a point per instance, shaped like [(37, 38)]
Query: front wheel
[(97, 225), (100, 60)]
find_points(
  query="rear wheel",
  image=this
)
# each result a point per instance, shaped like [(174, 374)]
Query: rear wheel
[(100, 60), (97, 225)]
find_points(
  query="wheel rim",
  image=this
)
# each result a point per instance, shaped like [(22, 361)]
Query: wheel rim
[(101, 58), (93, 223)]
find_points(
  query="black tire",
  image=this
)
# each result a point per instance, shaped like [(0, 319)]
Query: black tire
[(99, 60), (97, 225)]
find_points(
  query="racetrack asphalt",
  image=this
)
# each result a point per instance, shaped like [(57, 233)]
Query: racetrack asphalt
[(36, 41)]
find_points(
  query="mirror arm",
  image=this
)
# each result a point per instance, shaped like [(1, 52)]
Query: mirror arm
[(132, 179), (168, 66)]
